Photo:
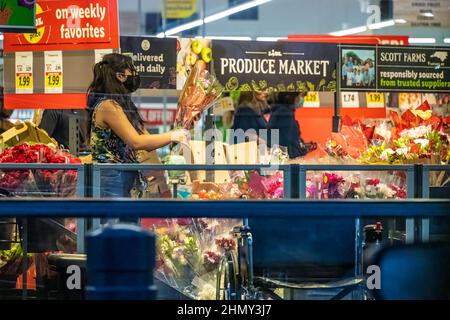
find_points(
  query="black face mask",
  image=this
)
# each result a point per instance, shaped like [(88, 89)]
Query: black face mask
[(132, 83)]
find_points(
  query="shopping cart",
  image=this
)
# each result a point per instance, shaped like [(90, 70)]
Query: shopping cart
[(300, 254)]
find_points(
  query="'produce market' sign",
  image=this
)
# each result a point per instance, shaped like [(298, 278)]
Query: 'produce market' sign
[(276, 67)]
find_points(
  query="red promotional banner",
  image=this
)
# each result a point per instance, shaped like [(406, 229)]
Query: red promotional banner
[(353, 39), (69, 25)]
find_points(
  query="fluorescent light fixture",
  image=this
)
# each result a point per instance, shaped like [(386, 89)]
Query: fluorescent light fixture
[(446, 40), (349, 31), (233, 10), (427, 14), (214, 17), (422, 40), (373, 26), (379, 25), (184, 27), (270, 39)]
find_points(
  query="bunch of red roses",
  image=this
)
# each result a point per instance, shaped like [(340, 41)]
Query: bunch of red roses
[(59, 182)]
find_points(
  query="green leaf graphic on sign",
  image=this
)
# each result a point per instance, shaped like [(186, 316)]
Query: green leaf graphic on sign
[(331, 86), (262, 84), (232, 84), (281, 87), (291, 87), (255, 86), (245, 87), (310, 86), (301, 87)]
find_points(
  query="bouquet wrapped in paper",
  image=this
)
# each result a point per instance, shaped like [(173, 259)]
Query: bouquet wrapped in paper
[(199, 93)]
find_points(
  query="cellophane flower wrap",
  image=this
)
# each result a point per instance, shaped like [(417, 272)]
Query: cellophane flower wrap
[(190, 251), (60, 183), (199, 93), (356, 185)]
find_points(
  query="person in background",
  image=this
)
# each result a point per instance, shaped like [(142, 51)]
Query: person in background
[(249, 114), (57, 124), (371, 75), (350, 76), (350, 62), (358, 78), (344, 70), (283, 119), (365, 78), (117, 129), (5, 124)]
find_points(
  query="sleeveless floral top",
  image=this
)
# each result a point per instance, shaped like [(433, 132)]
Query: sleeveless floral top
[(106, 146)]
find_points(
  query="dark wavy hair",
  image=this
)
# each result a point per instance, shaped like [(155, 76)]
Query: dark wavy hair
[(105, 85)]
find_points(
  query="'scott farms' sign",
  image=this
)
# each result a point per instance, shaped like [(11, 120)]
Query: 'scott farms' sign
[(281, 66), (414, 69)]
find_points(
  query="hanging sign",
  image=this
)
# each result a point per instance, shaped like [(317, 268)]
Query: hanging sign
[(275, 66), (179, 9), (154, 59), (388, 68), (69, 25)]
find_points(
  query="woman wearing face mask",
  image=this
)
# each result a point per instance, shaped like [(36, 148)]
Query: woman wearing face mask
[(117, 130)]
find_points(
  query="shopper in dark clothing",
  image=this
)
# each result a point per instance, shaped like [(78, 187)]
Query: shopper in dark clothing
[(249, 114), (283, 120), (57, 124)]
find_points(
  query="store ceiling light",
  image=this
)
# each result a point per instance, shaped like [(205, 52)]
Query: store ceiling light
[(271, 39), (233, 10), (379, 25), (427, 14), (373, 26), (214, 17), (446, 40), (184, 27), (346, 32), (422, 40)]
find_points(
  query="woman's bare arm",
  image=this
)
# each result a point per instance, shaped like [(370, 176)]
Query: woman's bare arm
[(110, 115)]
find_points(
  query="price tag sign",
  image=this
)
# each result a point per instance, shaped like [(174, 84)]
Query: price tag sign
[(53, 72), (349, 100), (24, 72), (312, 100), (375, 100)]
